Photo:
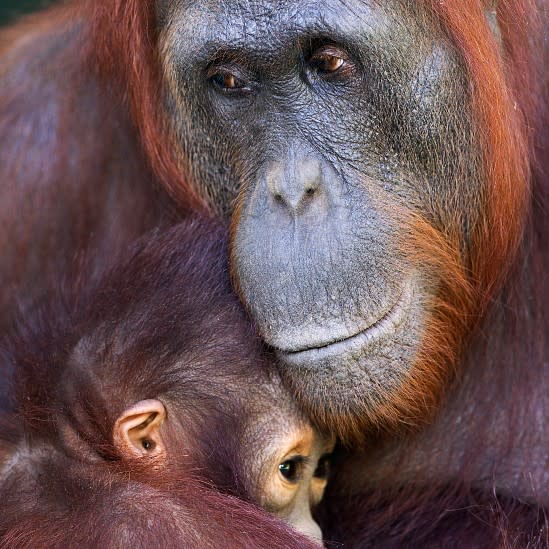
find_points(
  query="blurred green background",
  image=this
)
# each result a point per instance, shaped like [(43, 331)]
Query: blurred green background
[(10, 9)]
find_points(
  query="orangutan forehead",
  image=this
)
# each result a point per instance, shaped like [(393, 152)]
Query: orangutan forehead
[(270, 25)]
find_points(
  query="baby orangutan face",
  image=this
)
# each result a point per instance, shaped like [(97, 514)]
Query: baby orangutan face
[(288, 459), (282, 459), (292, 473)]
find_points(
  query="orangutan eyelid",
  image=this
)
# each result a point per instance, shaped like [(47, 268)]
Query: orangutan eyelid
[(291, 469), (331, 60), (227, 79)]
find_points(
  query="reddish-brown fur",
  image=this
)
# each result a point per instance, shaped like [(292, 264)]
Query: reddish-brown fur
[(507, 102), (69, 152), (500, 387), (477, 476), (114, 513), (164, 324), (135, 67)]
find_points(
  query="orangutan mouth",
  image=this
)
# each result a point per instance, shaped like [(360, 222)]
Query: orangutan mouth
[(385, 324)]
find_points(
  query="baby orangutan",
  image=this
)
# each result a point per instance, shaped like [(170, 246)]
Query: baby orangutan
[(146, 411)]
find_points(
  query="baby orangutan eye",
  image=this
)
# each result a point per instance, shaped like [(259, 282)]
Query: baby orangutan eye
[(323, 468), (291, 469)]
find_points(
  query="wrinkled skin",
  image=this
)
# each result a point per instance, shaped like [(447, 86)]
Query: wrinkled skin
[(327, 125)]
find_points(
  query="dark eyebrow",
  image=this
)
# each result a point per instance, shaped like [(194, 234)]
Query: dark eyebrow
[(258, 47), (214, 52), (304, 41)]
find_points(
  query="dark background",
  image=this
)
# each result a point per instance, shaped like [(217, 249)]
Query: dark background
[(11, 9)]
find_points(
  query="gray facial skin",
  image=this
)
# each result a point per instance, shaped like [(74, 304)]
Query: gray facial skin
[(328, 125)]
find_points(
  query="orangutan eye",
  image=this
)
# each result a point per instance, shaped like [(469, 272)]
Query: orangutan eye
[(323, 468), (291, 469), (331, 61), (227, 82)]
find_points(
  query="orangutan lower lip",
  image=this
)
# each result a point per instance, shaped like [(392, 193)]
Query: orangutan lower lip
[(387, 322)]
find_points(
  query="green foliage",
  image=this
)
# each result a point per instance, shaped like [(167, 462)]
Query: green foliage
[(10, 9)]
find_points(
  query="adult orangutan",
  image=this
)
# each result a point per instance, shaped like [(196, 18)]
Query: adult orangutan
[(384, 163)]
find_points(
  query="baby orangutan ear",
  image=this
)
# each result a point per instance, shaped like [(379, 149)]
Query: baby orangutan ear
[(137, 431)]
